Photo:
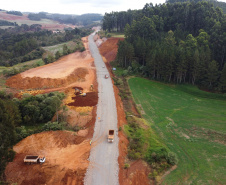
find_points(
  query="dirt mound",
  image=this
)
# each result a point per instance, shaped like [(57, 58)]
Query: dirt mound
[(60, 148), (109, 48), (78, 75)]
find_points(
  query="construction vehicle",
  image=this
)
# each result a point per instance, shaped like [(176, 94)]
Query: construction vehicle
[(111, 136), (79, 92), (30, 159)]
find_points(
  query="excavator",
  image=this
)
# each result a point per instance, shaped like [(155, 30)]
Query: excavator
[(79, 92)]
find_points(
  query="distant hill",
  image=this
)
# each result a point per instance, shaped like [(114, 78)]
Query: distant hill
[(83, 20), (216, 3), (48, 20)]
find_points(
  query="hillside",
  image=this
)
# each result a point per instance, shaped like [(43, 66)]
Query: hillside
[(49, 21), (46, 23)]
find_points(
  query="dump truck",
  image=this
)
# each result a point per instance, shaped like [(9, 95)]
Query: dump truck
[(111, 136), (30, 159)]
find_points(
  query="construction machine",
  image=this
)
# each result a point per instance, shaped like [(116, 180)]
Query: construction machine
[(79, 92)]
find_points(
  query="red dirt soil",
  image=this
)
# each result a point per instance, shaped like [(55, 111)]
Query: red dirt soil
[(138, 171), (66, 152), (66, 159), (109, 48)]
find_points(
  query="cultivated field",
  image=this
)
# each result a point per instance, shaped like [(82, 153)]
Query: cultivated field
[(192, 123)]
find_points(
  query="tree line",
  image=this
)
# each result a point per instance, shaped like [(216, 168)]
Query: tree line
[(23, 43), (15, 13), (215, 3), (173, 42), (7, 23)]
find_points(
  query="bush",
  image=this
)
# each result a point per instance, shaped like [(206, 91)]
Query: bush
[(172, 158), (158, 154), (120, 128), (53, 126), (126, 165), (125, 73), (117, 81), (82, 49), (153, 174)]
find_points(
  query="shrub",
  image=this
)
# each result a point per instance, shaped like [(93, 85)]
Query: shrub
[(153, 174), (120, 128), (172, 158), (53, 126), (126, 165), (82, 49)]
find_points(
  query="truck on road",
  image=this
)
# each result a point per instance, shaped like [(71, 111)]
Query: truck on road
[(34, 159), (111, 136)]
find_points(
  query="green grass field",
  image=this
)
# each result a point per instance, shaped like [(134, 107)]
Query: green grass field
[(192, 123), (117, 35), (59, 47)]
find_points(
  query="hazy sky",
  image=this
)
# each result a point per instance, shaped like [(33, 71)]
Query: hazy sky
[(74, 6)]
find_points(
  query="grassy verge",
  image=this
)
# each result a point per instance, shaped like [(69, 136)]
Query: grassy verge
[(110, 34), (117, 35), (144, 143), (191, 123)]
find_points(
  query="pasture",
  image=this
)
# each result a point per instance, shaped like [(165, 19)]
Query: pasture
[(192, 124)]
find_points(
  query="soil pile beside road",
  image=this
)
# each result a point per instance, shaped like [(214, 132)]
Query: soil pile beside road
[(109, 48)]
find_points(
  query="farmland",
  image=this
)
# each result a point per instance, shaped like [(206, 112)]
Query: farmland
[(191, 123)]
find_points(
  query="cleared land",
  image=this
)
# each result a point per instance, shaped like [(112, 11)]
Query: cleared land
[(66, 152), (191, 124)]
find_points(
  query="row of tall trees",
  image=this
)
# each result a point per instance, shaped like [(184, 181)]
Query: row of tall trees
[(175, 42), (215, 3), (24, 42)]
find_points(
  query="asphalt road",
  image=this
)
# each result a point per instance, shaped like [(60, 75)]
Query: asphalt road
[(103, 168)]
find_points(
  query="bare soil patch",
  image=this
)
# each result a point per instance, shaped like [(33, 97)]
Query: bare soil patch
[(109, 48), (66, 159), (90, 99)]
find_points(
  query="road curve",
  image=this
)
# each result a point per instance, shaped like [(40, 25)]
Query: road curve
[(103, 168)]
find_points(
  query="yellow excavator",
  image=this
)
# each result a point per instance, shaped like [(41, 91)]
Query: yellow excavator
[(79, 92)]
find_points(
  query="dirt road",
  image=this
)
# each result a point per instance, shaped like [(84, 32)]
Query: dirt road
[(103, 168)]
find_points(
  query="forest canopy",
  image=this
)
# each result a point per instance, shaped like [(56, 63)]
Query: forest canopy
[(173, 42)]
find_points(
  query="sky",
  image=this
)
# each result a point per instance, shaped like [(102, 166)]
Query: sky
[(77, 7)]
